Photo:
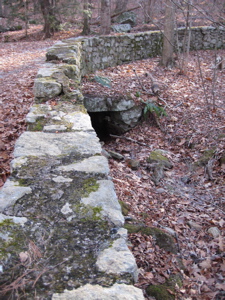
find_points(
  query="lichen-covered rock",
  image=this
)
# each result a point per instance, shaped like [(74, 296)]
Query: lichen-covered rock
[(91, 165), (46, 88), (157, 164), (11, 192), (127, 18), (97, 292), (158, 157), (94, 103), (43, 143), (117, 259), (127, 119), (121, 28), (105, 198)]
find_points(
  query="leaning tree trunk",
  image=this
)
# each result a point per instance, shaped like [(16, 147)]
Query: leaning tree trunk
[(51, 22), (147, 7), (105, 16), (168, 38)]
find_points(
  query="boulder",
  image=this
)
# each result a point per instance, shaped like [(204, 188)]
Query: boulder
[(121, 28), (126, 18), (46, 88)]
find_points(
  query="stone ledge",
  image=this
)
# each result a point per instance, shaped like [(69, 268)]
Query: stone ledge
[(90, 292)]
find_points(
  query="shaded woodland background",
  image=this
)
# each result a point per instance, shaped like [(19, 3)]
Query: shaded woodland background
[(91, 15)]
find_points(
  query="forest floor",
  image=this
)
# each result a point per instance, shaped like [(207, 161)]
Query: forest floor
[(188, 201)]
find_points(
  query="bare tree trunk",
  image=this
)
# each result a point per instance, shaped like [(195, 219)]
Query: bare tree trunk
[(148, 10), (105, 16), (1, 9), (87, 15), (168, 38), (51, 22), (26, 17), (35, 6), (120, 6)]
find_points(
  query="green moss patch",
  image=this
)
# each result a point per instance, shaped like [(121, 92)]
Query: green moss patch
[(157, 157), (125, 208), (207, 155), (165, 291)]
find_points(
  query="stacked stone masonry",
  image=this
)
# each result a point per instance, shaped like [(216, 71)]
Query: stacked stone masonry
[(61, 223)]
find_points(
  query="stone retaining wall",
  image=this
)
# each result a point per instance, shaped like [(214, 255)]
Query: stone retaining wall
[(61, 223), (60, 219), (79, 56)]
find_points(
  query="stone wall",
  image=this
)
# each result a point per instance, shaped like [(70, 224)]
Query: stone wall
[(79, 56), (61, 224), (102, 52)]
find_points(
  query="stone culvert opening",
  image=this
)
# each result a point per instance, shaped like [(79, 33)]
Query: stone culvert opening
[(112, 115)]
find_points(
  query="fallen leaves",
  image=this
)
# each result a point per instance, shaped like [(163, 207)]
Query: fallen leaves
[(187, 204)]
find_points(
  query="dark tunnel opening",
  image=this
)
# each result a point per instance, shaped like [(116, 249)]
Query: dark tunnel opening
[(100, 123)]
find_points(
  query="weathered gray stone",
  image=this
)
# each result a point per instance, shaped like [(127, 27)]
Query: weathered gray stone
[(121, 28), (66, 209), (130, 117), (46, 88), (18, 162), (42, 143), (100, 103), (54, 128), (117, 259), (17, 220), (125, 120), (47, 70), (62, 179), (93, 164), (97, 292), (214, 231), (80, 121), (11, 192), (116, 155), (127, 18), (37, 111), (194, 225), (105, 198)]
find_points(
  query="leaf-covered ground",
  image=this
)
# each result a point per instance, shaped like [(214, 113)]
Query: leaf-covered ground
[(189, 201)]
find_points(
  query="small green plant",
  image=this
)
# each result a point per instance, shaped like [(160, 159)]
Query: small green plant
[(138, 94), (151, 107)]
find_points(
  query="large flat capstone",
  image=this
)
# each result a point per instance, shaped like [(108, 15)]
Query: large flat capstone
[(93, 164), (53, 144), (97, 292)]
